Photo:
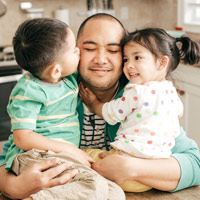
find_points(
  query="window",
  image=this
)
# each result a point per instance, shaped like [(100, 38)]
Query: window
[(189, 15)]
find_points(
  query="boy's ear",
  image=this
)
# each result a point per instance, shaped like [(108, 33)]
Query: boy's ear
[(55, 71), (164, 61)]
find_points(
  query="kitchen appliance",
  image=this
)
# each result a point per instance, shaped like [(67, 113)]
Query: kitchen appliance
[(10, 73), (3, 7)]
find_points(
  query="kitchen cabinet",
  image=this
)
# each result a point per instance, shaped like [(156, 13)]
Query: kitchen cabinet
[(187, 82)]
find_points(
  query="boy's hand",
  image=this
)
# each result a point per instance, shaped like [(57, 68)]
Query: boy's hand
[(80, 155), (85, 158)]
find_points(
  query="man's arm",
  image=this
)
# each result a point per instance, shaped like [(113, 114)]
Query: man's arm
[(37, 177), (162, 174), (179, 171)]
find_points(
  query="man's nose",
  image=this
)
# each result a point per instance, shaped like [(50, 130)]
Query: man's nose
[(101, 57)]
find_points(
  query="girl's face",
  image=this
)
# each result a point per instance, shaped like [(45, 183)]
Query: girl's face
[(140, 65)]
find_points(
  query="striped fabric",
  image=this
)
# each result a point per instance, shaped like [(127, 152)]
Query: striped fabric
[(93, 131)]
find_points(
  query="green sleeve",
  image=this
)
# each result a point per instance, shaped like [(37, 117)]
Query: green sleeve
[(187, 154), (3, 155)]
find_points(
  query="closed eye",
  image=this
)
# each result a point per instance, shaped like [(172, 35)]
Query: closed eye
[(89, 49), (113, 51)]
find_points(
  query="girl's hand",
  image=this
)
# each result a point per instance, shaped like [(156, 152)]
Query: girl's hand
[(87, 96)]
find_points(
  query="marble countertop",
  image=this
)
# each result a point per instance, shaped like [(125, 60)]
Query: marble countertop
[(192, 193)]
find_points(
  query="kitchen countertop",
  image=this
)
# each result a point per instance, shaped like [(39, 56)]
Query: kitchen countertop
[(192, 193)]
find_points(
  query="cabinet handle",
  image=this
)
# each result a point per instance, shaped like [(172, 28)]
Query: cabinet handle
[(180, 92)]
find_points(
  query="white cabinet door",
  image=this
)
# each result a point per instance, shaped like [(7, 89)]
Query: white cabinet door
[(190, 96), (187, 81)]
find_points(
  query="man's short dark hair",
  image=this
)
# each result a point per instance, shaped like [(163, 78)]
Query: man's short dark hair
[(100, 16)]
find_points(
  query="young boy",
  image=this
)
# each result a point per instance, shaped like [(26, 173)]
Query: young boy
[(42, 108)]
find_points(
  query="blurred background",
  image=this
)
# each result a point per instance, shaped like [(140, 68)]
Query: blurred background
[(133, 13), (176, 16)]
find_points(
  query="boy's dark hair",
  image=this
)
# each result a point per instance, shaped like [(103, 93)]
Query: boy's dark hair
[(160, 43), (38, 42), (102, 16)]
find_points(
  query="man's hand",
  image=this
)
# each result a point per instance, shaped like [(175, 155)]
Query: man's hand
[(112, 167), (35, 178), (151, 172)]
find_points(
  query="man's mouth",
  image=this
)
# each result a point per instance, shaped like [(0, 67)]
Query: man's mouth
[(100, 70)]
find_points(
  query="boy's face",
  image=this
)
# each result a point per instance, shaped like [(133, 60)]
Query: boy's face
[(69, 58)]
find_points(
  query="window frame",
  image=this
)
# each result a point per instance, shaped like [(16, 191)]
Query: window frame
[(188, 27)]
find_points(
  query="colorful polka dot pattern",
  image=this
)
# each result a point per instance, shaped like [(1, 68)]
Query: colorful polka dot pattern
[(146, 104), (154, 107)]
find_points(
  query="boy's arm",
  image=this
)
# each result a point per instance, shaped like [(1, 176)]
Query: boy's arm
[(28, 139)]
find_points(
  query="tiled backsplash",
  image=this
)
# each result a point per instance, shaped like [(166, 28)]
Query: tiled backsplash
[(141, 13)]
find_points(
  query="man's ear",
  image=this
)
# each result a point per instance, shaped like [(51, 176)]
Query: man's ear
[(164, 61), (55, 71)]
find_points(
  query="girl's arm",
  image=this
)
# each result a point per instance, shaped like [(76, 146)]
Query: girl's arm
[(27, 140)]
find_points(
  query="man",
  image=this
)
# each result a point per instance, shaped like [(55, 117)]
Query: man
[(99, 40), (100, 68)]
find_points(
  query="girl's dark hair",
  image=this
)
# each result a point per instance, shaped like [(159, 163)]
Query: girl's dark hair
[(160, 43), (38, 42)]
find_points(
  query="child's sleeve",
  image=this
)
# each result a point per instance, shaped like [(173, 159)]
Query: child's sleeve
[(24, 106), (3, 155), (118, 109)]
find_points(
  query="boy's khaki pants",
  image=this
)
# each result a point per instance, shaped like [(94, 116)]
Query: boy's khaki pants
[(86, 185)]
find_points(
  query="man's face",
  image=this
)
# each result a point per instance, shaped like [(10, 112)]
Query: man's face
[(100, 54)]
